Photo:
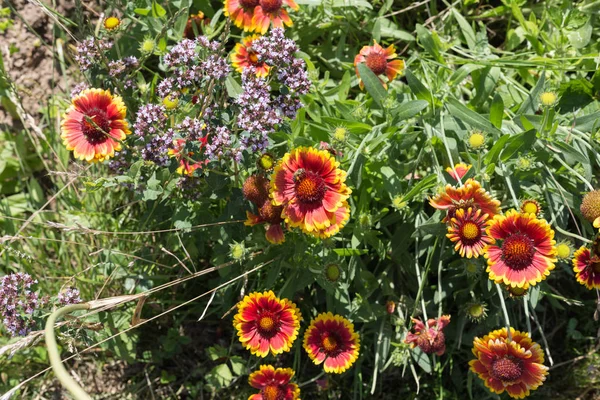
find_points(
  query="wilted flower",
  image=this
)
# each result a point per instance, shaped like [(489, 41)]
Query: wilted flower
[(380, 61), (430, 339), (590, 207)]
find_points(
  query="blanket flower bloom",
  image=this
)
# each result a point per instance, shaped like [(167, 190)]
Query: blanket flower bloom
[(471, 194), (272, 12), (241, 12), (523, 252), (274, 384), (264, 323), (515, 366), (467, 230), (458, 171), (310, 187), (94, 125), (331, 340), (244, 56), (430, 339), (380, 61), (587, 268), (531, 206)]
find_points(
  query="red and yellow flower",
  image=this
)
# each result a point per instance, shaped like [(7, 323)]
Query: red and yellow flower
[(380, 61), (587, 268), (430, 339), (272, 12), (523, 252), (471, 194), (187, 165), (243, 57), (241, 12), (271, 216), (310, 187), (515, 366), (264, 323), (467, 230), (342, 216), (94, 125), (458, 171), (331, 340), (274, 384)]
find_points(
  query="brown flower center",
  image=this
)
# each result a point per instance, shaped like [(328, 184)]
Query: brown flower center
[(507, 369), (310, 187), (248, 4), (272, 392), (95, 126), (252, 57), (330, 344), (377, 62), (518, 251), (268, 324), (595, 266), (271, 213), (431, 343), (270, 6), (470, 230), (590, 206)]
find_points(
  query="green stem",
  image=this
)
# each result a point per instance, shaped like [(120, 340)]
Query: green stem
[(505, 311), (54, 354)]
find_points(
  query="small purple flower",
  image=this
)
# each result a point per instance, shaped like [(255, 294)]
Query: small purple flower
[(18, 302), (150, 119), (157, 148), (69, 296), (216, 67), (182, 54), (88, 52), (80, 87)]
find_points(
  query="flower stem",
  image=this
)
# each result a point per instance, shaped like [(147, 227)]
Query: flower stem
[(505, 311), (54, 354)]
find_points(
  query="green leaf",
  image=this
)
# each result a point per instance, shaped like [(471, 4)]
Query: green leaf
[(470, 117), (575, 94), (418, 88), (587, 123), (142, 11), (530, 104), (497, 111), (424, 184), (521, 142), (460, 74), (372, 83), (409, 109), (467, 30), (390, 30), (233, 88), (494, 152), (430, 43), (157, 10), (350, 252)]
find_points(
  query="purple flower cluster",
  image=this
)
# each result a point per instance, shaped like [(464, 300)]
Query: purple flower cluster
[(220, 144), (69, 296), (295, 77), (211, 45), (216, 67), (150, 119), (182, 54), (189, 187), (118, 67), (119, 163), (80, 87), (191, 128), (18, 302), (157, 148), (275, 49), (88, 52)]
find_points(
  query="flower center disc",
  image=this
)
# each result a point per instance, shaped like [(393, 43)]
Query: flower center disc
[(310, 187), (518, 251), (377, 62), (271, 392), (330, 344), (507, 369), (270, 6), (95, 126), (470, 230), (595, 267), (266, 323), (530, 208), (249, 4), (253, 59)]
